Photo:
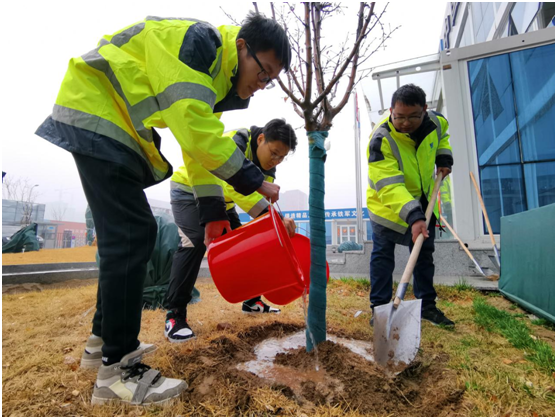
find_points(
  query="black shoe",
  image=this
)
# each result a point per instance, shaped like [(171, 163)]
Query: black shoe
[(436, 316), (258, 307), (176, 327)]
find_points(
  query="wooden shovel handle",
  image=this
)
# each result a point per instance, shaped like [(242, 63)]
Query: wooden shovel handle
[(483, 209), (458, 238), (418, 244)]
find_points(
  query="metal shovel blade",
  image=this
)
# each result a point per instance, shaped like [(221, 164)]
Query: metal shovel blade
[(397, 334)]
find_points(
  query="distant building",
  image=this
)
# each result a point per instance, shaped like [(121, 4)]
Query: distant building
[(63, 234), (340, 224)]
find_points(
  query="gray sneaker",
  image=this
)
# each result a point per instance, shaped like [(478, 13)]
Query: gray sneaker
[(131, 382), (92, 354)]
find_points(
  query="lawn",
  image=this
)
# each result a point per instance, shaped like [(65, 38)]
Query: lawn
[(496, 362)]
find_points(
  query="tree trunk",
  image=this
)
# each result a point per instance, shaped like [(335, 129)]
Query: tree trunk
[(317, 324)]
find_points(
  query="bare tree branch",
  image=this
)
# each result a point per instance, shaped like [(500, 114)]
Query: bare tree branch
[(309, 69), (230, 17), (353, 53), (255, 7)]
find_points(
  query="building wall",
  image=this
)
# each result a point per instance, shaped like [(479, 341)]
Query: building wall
[(497, 88)]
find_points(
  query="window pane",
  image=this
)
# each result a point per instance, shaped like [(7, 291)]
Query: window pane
[(493, 110), (328, 232), (523, 13), (540, 184), (503, 193), (535, 101), (368, 230)]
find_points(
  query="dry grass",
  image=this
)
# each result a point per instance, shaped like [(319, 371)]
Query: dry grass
[(44, 334), (76, 254)]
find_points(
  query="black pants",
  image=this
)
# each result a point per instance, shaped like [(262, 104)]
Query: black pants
[(187, 260), (126, 235), (382, 265)]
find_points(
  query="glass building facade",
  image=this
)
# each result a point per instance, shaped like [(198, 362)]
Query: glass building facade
[(513, 104)]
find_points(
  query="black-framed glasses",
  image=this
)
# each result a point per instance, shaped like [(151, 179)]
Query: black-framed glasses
[(411, 119), (263, 76)]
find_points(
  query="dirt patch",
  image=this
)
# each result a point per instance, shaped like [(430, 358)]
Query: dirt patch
[(345, 379), (76, 254)]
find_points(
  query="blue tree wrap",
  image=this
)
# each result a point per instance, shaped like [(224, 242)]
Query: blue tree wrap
[(317, 323)]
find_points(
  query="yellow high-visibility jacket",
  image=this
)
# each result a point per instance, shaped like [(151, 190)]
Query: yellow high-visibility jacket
[(254, 204), (158, 73), (401, 168)]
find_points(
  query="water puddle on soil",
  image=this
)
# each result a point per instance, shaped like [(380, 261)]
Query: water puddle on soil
[(266, 352)]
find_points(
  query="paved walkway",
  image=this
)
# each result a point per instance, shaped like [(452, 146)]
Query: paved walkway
[(478, 283)]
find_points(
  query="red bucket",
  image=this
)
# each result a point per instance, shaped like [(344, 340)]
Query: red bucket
[(285, 296), (254, 259)]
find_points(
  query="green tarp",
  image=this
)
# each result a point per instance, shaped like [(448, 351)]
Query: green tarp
[(26, 238), (90, 224), (158, 268), (528, 260), (160, 264)]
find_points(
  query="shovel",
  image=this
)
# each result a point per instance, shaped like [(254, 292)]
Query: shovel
[(487, 223), (493, 277), (397, 328)]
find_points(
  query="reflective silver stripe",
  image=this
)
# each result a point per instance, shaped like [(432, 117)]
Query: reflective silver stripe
[(394, 149), (387, 223), (181, 186), (444, 151), (408, 207), (370, 183), (185, 90), (98, 62), (231, 167), (218, 65), (389, 181), (257, 208), (101, 126), (184, 239), (435, 120), (124, 37), (204, 191)]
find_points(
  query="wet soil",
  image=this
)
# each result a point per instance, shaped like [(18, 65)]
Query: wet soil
[(345, 379)]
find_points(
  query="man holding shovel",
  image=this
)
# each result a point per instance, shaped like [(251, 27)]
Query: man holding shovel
[(403, 152)]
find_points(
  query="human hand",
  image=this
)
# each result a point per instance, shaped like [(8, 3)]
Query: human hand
[(270, 190), (214, 230), (444, 170), (419, 227), (290, 225)]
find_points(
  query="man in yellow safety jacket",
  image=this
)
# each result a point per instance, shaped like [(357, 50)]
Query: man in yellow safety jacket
[(403, 152), (158, 73), (266, 147)]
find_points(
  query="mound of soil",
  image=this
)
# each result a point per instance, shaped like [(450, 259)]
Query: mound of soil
[(345, 379)]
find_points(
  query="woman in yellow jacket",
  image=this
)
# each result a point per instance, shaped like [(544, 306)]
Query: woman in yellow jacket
[(266, 147), (158, 73), (403, 152)]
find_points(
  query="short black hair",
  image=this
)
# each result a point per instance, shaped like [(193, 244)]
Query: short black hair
[(409, 94), (279, 130), (264, 34)]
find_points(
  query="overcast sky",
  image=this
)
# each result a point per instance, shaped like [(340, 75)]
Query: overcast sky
[(40, 37)]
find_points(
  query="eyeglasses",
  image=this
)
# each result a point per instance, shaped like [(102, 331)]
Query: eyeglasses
[(277, 157), (263, 76), (410, 119)]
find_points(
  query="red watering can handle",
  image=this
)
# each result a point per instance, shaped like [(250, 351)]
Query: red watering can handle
[(273, 212)]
